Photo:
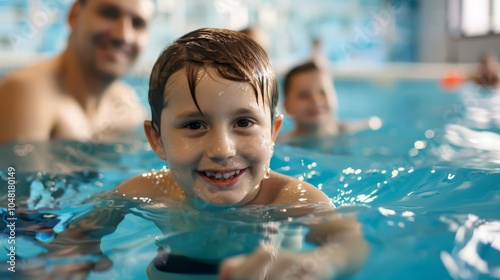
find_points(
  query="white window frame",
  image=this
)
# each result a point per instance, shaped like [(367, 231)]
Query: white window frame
[(455, 11)]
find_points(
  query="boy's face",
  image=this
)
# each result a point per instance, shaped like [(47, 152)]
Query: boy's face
[(221, 153), (310, 99), (108, 35)]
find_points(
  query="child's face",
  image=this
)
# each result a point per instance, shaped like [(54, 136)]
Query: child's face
[(310, 99), (490, 63), (222, 153)]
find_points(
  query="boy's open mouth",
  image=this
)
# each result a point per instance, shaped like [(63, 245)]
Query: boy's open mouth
[(222, 178), (221, 175)]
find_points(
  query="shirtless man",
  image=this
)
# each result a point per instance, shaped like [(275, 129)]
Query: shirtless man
[(77, 94)]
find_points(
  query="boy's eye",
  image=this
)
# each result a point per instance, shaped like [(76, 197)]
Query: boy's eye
[(194, 125), (244, 123)]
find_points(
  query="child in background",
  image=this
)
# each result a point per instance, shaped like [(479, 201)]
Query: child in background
[(213, 96), (311, 101), (488, 73)]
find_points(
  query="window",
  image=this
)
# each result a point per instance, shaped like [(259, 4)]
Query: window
[(475, 17), (469, 18), (496, 16)]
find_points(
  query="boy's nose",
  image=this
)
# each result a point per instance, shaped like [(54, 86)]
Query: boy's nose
[(221, 147)]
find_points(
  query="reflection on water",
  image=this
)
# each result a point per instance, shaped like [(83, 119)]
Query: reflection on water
[(476, 250), (470, 147), (474, 140), (481, 107)]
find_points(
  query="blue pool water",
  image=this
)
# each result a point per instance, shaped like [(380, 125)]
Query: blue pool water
[(425, 187)]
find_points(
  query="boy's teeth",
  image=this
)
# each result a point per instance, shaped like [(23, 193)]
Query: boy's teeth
[(219, 175)]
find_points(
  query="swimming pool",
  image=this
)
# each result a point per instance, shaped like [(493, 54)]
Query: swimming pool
[(426, 186)]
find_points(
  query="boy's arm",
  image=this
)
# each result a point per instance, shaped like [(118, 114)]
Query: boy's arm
[(83, 236), (341, 247), (373, 123), (82, 239), (342, 244), (341, 251)]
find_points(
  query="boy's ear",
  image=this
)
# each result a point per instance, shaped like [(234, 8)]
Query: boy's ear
[(154, 140), (73, 14), (278, 121)]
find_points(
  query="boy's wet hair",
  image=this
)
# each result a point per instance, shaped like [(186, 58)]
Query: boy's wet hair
[(233, 55), (301, 68)]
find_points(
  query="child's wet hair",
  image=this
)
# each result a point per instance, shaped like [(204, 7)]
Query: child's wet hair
[(233, 55), (301, 68)]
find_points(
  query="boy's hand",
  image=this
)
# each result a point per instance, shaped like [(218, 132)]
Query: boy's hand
[(263, 264)]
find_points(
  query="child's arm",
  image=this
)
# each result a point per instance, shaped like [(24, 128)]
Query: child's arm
[(342, 250), (373, 123), (82, 239), (341, 246), (83, 236)]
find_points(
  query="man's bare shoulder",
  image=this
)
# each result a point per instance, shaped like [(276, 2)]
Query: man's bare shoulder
[(33, 80), (123, 101), (123, 92), (152, 184), (26, 106)]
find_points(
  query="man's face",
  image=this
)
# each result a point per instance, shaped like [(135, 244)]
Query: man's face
[(108, 35)]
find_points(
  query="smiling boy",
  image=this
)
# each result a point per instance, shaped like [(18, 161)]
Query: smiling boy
[(213, 97)]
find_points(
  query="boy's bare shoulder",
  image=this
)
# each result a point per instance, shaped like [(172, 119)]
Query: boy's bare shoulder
[(152, 184), (282, 189)]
